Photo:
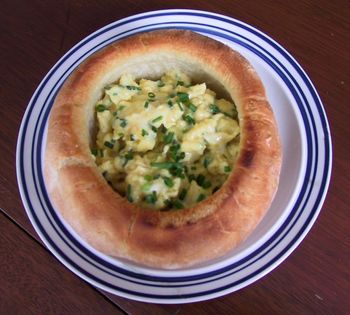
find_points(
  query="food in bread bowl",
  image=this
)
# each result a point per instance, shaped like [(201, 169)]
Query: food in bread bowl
[(162, 149)]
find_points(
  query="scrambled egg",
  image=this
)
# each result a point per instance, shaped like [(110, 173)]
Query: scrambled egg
[(165, 144)]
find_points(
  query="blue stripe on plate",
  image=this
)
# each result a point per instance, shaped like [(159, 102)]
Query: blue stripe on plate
[(324, 181)]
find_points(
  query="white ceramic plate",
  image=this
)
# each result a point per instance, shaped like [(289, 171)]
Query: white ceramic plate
[(304, 180)]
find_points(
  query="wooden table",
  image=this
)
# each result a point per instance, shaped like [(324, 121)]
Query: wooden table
[(315, 279)]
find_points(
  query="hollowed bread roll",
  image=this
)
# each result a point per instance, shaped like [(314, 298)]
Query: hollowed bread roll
[(162, 239)]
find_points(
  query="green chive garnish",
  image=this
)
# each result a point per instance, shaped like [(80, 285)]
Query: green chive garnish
[(192, 107), (146, 104), (154, 129), (161, 84), (206, 184), (180, 83), (159, 118), (200, 179), (147, 186), (170, 103), (188, 119), (168, 203), (180, 106), (109, 144), (178, 204), (214, 109), (133, 88), (168, 181), (201, 197), (101, 108), (152, 198), (227, 169), (165, 165), (94, 152), (191, 177), (216, 189), (151, 95), (123, 123), (128, 156), (206, 162), (128, 194), (183, 97), (144, 133), (168, 138), (183, 194), (148, 177)]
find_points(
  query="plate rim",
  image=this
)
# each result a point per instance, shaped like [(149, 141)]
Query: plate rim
[(175, 11)]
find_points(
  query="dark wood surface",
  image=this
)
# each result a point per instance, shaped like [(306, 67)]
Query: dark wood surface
[(315, 279)]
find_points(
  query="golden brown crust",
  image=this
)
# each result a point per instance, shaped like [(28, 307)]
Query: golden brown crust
[(170, 239)]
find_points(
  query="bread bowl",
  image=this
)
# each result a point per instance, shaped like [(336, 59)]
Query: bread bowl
[(163, 239)]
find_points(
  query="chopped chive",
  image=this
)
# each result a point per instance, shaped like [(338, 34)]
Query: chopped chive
[(94, 152), (151, 95), (181, 83), (133, 88), (168, 138), (227, 169), (144, 133), (180, 106), (146, 104), (120, 134), (201, 197), (206, 184), (159, 118), (147, 186), (123, 123), (168, 181), (154, 129), (192, 107), (168, 203), (183, 194), (165, 165), (128, 156), (191, 177), (161, 84), (101, 108), (148, 177), (178, 204), (170, 103), (193, 168), (216, 189), (207, 161), (182, 97), (151, 198), (189, 119), (128, 194), (156, 176), (120, 108), (214, 109), (200, 179), (180, 156), (109, 144)]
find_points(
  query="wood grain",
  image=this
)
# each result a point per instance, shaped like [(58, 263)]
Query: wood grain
[(313, 280), (33, 277)]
